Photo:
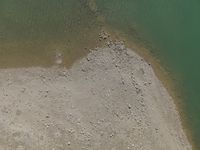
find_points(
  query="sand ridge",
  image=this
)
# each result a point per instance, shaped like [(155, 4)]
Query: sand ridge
[(109, 100)]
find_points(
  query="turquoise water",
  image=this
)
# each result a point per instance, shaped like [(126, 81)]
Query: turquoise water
[(173, 29), (32, 30)]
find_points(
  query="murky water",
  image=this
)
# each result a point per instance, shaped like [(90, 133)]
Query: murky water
[(32, 31)]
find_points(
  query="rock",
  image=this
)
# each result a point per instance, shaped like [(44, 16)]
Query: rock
[(47, 125), (108, 43), (129, 106), (83, 70), (68, 143), (88, 59)]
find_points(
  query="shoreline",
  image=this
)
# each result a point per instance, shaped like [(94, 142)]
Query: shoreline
[(161, 73), (85, 108)]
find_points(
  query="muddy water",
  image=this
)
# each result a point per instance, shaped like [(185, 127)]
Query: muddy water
[(33, 31)]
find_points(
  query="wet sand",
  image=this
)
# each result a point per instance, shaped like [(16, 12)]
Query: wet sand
[(109, 99)]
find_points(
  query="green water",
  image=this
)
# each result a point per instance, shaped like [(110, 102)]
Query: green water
[(173, 29), (32, 30)]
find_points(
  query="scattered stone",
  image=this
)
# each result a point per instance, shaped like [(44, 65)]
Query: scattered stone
[(71, 131), (47, 125), (103, 35)]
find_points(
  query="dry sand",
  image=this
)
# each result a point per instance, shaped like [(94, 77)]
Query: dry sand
[(108, 100)]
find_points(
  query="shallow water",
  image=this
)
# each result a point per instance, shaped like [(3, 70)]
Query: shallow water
[(33, 31)]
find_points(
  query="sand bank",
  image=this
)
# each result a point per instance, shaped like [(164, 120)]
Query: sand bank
[(109, 100)]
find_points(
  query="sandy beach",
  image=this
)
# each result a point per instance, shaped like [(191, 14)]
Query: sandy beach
[(110, 99)]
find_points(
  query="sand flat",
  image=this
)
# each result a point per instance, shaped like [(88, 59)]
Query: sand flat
[(109, 100)]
